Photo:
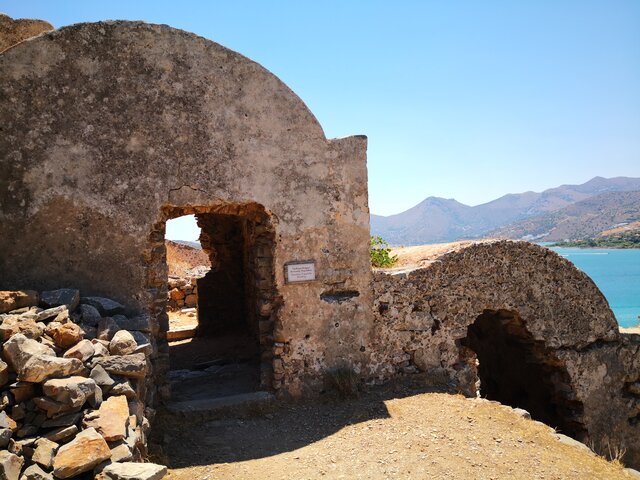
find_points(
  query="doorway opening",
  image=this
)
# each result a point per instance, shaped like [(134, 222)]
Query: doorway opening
[(221, 344), (516, 370)]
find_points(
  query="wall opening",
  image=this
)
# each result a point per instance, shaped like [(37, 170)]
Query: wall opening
[(187, 262), (228, 349), (516, 370)]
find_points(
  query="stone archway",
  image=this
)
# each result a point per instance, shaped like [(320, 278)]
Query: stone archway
[(509, 301), (516, 370)]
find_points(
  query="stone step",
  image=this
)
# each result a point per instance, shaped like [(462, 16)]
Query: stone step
[(209, 408), (181, 334)]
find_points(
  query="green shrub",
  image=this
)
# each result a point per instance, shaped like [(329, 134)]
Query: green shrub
[(379, 251)]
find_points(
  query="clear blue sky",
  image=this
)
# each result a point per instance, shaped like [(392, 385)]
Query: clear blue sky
[(460, 99)]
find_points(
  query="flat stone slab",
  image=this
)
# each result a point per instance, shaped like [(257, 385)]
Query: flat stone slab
[(140, 323), (215, 406), (134, 471), (63, 296), (105, 306), (134, 365), (181, 334), (112, 419), (80, 455), (14, 299)]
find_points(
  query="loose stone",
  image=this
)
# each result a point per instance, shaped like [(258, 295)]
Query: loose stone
[(73, 391), (65, 335), (34, 472), (111, 419), (10, 465), (134, 365), (122, 343), (61, 434), (80, 455), (83, 351), (44, 453), (105, 306), (134, 471), (12, 300), (90, 315), (63, 296)]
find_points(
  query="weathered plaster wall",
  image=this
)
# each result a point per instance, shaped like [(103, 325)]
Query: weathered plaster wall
[(422, 320), (106, 124)]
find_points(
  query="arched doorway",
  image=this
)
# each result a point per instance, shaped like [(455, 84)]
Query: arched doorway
[(516, 370)]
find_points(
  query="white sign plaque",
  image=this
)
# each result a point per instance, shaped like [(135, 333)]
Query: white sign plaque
[(300, 271)]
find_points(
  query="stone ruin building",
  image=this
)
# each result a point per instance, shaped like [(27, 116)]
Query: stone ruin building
[(111, 129)]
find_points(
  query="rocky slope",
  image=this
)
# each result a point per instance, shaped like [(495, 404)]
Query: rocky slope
[(437, 220), (582, 220), (183, 258)]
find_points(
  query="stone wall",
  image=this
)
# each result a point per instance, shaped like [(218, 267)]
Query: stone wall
[(183, 293), (553, 336)]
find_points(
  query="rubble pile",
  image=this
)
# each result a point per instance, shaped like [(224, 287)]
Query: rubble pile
[(72, 388)]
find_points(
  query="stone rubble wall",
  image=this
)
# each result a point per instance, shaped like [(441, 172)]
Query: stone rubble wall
[(73, 384), (183, 293), (421, 317)]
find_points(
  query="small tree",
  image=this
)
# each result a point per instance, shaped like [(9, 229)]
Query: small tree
[(379, 250)]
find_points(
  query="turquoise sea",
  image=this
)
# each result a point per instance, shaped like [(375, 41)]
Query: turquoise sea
[(616, 272)]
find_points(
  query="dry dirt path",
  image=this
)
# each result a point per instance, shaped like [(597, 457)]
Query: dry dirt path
[(424, 436)]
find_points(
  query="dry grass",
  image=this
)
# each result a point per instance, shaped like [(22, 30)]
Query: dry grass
[(635, 330), (422, 255), (344, 381), (625, 228)]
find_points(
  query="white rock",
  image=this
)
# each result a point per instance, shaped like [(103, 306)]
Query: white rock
[(134, 471), (35, 362), (34, 472), (44, 453), (10, 465), (83, 351), (72, 391), (122, 343)]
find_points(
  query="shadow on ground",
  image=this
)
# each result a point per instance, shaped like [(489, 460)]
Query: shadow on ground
[(282, 428)]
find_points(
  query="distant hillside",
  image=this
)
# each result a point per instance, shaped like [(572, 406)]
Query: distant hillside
[(625, 239), (188, 243), (582, 220), (183, 258), (437, 220)]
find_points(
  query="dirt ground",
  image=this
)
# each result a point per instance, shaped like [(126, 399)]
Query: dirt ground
[(422, 255), (381, 435), (179, 320), (390, 432)]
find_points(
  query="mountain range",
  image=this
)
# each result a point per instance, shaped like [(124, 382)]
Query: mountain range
[(521, 215)]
